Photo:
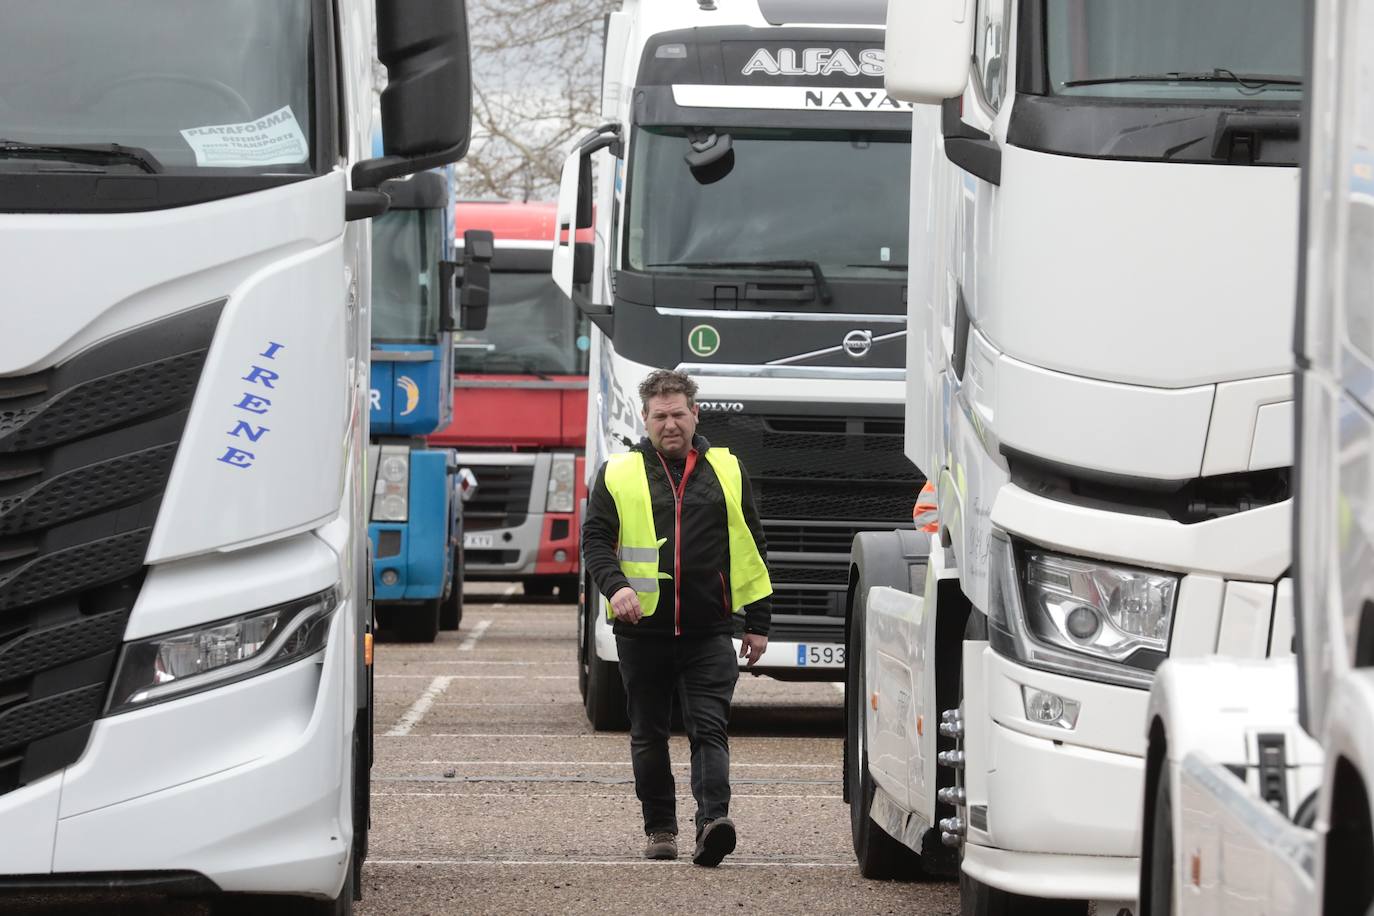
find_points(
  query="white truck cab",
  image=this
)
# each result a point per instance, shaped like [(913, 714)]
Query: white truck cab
[(1257, 787), (1100, 390), (750, 230), (185, 690)]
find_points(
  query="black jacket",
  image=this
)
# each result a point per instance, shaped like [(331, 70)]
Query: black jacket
[(696, 601)]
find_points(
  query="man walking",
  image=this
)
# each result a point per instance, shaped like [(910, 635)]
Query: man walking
[(671, 534)]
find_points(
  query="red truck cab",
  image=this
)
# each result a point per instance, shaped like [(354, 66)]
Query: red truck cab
[(520, 409)]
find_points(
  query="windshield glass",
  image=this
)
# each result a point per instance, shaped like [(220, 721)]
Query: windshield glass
[(1217, 50), (405, 275), (838, 198), (195, 83), (532, 329)]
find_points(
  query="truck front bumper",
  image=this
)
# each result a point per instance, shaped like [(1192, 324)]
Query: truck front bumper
[(244, 785), (1053, 812)]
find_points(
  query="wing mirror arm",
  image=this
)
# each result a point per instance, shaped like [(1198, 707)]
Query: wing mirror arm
[(479, 247), (968, 147)]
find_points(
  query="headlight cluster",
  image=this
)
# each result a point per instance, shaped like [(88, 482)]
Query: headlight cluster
[(391, 500), (174, 664), (561, 483), (1079, 617)]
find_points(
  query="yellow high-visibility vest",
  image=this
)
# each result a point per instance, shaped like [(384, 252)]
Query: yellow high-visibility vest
[(628, 483)]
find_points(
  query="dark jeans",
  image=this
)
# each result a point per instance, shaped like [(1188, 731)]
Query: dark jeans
[(703, 671)]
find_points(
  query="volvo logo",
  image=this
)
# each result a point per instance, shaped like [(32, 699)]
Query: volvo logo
[(858, 343), (721, 406)]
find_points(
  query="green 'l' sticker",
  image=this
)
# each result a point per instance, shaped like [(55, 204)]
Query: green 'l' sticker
[(703, 340)]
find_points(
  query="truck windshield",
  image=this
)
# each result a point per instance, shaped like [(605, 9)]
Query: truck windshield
[(532, 329), (1220, 50), (196, 84), (406, 250), (835, 198)]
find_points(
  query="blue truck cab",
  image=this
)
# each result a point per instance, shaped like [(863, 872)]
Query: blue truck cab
[(415, 524)]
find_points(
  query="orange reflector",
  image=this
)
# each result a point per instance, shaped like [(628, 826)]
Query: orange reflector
[(367, 649), (1197, 869), (874, 701), (920, 725)]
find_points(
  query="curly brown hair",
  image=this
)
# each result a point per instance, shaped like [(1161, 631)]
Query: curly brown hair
[(666, 381)]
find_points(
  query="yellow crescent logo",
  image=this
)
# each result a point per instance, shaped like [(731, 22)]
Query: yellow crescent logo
[(412, 390)]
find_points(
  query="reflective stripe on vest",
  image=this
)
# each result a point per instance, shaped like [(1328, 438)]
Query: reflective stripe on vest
[(629, 487), (628, 483)]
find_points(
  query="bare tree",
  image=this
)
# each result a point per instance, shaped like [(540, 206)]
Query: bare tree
[(536, 88)]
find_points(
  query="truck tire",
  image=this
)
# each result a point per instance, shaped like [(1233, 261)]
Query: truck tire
[(540, 588), (584, 642), (977, 899), (605, 697), (418, 622), (879, 855), (1159, 881), (451, 614)]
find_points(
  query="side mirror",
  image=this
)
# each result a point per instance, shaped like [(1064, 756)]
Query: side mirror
[(479, 247), (929, 49), (427, 103), (575, 210)]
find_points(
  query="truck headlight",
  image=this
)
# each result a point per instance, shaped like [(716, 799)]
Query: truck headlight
[(172, 665), (561, 483), (390, 501), (1079, 617)]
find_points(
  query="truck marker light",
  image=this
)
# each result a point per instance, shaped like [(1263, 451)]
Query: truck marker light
[(921, 726), (874, 701), (1050, 708), (1196, 869), (367, 649)]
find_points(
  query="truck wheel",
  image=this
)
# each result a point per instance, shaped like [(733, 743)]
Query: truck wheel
[(1161, 870), (878, 853), (605, 699), (977, 899), (451, 614), (584, 642), (418, 622), (540, 588)]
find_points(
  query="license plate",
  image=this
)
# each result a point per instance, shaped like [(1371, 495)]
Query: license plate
[(478, 541), (822, 656)]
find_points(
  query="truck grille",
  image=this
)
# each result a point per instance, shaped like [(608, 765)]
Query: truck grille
[(818, 481), (502, 498), (85, 452)]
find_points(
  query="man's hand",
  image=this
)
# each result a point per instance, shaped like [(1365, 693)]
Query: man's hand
[(625, 604), (752, 647)]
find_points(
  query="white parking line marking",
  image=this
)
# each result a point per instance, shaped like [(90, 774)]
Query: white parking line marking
[(416, 712), (489, 677), (475, 635), (595, 763), (636, 863), (627, 794)]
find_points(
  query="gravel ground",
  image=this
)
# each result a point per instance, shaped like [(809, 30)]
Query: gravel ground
[(495, 796)]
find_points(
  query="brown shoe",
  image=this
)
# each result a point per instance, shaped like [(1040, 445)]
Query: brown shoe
[(661, 846), (716, 841)]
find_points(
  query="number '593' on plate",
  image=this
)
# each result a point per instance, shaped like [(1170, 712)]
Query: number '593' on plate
[(825, 656)]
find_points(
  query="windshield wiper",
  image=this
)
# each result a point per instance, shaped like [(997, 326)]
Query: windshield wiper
[(1217, 75), (822, 288), (90, 153), (888, 266)]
